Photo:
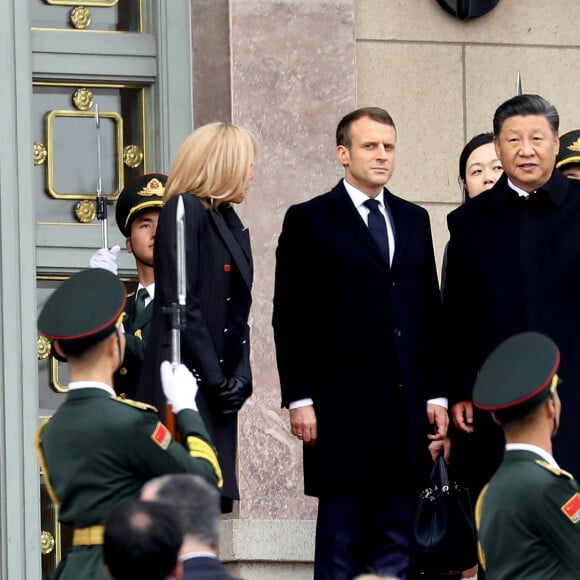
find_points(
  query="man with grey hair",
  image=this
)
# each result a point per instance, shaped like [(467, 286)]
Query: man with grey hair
[(197, 505)]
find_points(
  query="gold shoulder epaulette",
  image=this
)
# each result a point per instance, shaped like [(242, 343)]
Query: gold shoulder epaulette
[(478, 512), (136, 404), (42, 461), (555, 470)]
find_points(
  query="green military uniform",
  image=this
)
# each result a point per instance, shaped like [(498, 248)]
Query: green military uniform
[(529, 521), (98, 450), (136, 336), (528, 516), (142, 194)]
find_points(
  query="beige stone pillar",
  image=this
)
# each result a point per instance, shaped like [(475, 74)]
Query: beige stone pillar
[(293, 77)]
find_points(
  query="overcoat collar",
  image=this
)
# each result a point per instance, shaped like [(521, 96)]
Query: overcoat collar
[(236, 239), (556, 189), (87, 393), (344, 208)]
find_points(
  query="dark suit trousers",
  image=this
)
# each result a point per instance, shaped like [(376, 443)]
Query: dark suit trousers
[(356, 532)]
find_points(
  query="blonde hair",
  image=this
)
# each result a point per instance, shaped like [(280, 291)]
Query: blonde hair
[(213, 163)]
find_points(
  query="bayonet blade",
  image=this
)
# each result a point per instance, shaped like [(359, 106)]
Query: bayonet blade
[(178, 314), (181, 279), (101, 199)]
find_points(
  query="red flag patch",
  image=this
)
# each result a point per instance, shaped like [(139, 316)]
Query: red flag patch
[(161, 435), (572, 508)]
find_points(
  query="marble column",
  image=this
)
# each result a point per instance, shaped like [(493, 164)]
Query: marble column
[(293, 78)]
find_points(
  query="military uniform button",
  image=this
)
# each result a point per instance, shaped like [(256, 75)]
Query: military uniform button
[(397, 332), (244, 341), (123, 371), (225, 329)]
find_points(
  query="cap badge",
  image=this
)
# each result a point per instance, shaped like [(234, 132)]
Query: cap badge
[(153, 187), (574, 146)]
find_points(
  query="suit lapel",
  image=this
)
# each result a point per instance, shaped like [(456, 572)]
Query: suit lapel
[(401, 226), (342, 206), (129, 309), (143, 318), (234, 246), (131, 325), (236, 226)]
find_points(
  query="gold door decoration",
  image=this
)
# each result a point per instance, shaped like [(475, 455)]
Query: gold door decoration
[(51, 137), (102, 4), (55, 538), (100, 16), (70, 148)]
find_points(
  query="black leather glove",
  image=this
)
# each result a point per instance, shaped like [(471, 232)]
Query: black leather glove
[(230, 394)]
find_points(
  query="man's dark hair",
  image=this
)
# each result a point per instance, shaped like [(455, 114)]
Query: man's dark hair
[(196, 503), (523, 105), (142, 540), (374, 113)]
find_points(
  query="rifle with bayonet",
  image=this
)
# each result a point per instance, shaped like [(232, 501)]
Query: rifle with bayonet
[(102, 200), (177, 309)]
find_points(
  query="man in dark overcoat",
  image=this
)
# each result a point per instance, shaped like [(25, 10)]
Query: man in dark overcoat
[(356, 325), (198, 506), (513, 266)]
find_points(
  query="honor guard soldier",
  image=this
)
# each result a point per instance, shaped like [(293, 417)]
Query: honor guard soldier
[(568, 159), (528, 515), (137, 214), (98, 450)]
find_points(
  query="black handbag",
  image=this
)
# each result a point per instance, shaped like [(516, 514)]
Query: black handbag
[(445, 541)]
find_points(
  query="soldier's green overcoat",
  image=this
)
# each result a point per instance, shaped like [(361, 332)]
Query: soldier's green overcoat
[(136, 336), (529, 521), (98, 451)]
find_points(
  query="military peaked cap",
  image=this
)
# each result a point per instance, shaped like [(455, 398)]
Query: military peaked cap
[(518, 375), (141, 194), (84, 309), (569, 153)]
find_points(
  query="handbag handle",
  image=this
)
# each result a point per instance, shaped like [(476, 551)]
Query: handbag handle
[(439, 474)]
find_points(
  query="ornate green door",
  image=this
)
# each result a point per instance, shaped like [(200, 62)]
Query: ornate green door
[(108, 55)]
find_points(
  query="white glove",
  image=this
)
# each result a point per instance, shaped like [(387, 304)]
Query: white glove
[(105, 259), (179, 386)]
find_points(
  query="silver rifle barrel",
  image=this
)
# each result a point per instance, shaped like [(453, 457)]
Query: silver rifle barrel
[(178, 314), (101, 199)]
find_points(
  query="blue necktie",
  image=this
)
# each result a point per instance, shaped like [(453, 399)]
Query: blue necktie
[(378, 228)]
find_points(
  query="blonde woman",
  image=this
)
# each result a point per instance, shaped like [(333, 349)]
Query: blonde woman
[(211, 173)]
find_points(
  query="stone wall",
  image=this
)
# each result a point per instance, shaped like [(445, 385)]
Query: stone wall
[(442, 80), (297, 66)]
